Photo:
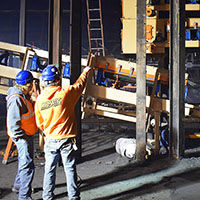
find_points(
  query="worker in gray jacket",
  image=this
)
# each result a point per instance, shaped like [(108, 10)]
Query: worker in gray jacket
[(21, 128)]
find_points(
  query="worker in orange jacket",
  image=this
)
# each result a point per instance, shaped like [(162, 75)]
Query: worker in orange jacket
[(21, 127), (55, 116)]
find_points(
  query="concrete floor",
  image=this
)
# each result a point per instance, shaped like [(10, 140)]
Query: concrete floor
[(105, 175)]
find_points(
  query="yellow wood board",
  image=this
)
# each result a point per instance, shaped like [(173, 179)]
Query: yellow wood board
[(192, 7), (40, 53), (129, 36), (165, 7), (190, 22), (129, 9), (194, 43)]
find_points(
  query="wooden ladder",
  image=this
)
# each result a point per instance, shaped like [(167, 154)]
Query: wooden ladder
[(95, 27)]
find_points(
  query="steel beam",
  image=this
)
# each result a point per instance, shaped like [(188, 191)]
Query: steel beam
[(55, 31), (141, 81), (75, 55), (177, 77)]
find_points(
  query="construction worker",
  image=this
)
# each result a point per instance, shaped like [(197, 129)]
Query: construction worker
[(21, 127), (55, 116)]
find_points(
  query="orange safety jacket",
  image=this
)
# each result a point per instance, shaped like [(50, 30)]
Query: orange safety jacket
[(54, 109), (28, 123)]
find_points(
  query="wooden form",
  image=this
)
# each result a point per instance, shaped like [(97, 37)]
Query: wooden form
[(123, 99), (9, 72), (115, 101), (157, 38), (17, 49)]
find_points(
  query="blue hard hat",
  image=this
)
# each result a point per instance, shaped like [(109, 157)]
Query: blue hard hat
[(50, 73), (24, 77)]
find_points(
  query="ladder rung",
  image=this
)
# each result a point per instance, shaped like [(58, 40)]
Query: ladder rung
[(96, 39), (97, 48), (95, 19), (95, 29), (94, 9)]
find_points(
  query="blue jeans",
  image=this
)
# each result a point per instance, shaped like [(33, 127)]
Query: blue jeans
[(54, 151), (26, 167)]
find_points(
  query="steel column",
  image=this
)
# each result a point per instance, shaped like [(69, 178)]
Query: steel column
[(177, 76), (141, 81), (55, 31), (75, 55)]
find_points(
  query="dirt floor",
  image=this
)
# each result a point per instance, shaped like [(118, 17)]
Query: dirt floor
[(105, 175)]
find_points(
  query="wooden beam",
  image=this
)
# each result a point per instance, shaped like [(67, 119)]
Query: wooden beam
[(4, 89), (41, 53), (11, 72), (141, 81), (50, 32), (107, 112), (55, 31), (177, 77), (120, 96), (22, 23)]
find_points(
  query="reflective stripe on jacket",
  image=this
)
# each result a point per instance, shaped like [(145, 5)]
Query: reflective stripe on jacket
[(28, 123)]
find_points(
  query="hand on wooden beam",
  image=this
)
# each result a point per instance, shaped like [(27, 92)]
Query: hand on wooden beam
[(87, 69)]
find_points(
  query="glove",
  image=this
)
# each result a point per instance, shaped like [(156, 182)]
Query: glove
[(87, 69)]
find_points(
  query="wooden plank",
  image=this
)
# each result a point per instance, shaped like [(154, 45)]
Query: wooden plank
[(4, 89), (96, 91), (194, 43), (111, 94), (11, 72), (188, 7), (192, 7), (111, 114), (120, 96), (41, 53)]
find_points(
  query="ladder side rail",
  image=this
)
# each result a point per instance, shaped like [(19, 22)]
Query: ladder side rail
[(101, 21), (89, 33)]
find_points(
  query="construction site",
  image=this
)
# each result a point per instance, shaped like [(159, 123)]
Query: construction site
[(138, 116)]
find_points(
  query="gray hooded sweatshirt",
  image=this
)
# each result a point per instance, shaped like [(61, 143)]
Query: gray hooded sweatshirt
[(15, 109)]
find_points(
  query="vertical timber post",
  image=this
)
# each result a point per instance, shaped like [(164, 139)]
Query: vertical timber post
[(22, 23), (75, 56), (22, 27), (177, 77), (55, 32), (50, 33), (141, 81)]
